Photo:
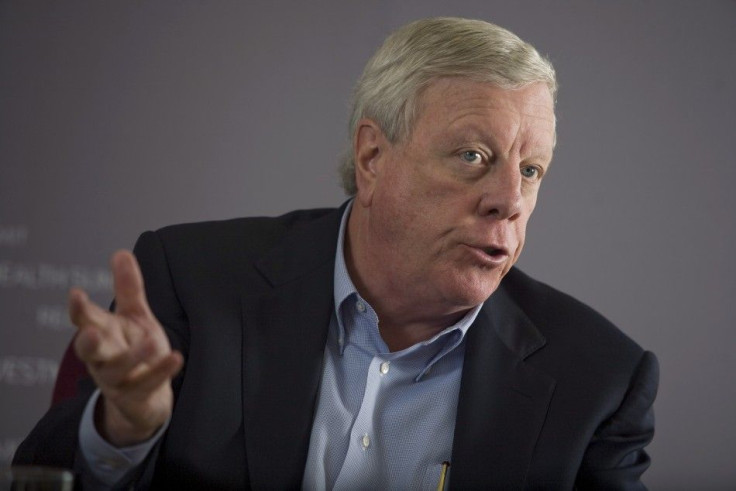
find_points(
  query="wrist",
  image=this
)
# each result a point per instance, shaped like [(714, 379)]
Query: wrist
[(118, 430)]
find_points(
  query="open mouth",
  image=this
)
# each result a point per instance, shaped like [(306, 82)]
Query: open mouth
[(495, 252), (490, 255)]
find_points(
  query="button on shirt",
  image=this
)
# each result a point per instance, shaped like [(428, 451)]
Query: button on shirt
[(383, 420)]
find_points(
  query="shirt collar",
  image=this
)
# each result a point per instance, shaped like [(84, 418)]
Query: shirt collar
[(344, 286)]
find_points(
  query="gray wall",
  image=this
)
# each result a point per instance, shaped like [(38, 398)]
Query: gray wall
[(116, 117)]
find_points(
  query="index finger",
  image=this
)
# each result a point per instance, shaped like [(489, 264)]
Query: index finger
[(130, 294)]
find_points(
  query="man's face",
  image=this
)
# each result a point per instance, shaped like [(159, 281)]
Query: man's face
[(449, 204)]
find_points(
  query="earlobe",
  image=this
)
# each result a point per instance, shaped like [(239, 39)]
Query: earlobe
[(368, 144)]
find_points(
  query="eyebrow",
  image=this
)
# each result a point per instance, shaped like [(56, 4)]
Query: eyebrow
[(472, 134)]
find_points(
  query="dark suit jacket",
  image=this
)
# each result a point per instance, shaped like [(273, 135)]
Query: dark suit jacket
[(552, 395)]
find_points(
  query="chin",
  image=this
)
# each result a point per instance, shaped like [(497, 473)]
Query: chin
[(469, 294)]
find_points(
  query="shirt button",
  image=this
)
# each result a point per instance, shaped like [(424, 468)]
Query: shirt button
[(365, 441), (384, 367), (360, 306)]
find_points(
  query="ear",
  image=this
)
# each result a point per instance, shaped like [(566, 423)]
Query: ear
[(369, 145)]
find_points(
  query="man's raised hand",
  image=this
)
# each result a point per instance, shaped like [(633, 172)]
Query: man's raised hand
[(128, 355)]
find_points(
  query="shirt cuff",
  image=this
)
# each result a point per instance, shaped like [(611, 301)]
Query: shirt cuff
[(108, 463)]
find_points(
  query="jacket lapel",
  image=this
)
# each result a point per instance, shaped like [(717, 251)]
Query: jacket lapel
[(503, 401), (284, 336)]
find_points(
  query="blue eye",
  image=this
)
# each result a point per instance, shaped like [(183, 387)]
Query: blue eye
[(471, 156), (529, 171)]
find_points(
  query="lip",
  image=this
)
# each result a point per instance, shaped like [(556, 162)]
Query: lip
[(491, 255)]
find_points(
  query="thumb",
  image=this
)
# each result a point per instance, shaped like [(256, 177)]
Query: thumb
[(130, 295)]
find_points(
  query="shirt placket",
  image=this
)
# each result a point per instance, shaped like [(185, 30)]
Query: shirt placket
[(363, 457)]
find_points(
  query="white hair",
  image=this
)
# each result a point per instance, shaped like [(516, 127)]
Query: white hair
[(419, 53)]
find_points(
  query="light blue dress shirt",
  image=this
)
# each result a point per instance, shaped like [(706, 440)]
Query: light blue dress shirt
[(383, 420)]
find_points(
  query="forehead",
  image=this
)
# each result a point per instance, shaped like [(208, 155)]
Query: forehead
[(533, 98), (459, 104)]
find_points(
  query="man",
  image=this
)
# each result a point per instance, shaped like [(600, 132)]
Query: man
[(377, 345)]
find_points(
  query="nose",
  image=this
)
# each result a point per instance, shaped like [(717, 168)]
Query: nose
[(501, 195)]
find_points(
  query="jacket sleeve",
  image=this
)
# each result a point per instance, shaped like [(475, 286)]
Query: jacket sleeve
[(53, 441), (615, 458)]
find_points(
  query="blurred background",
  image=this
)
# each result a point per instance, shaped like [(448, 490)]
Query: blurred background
[(118, 117)]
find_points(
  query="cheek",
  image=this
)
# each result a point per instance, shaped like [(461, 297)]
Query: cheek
[(531, 200), (413, 197)]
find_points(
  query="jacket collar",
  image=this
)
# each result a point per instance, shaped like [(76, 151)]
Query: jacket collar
[(285, 328)]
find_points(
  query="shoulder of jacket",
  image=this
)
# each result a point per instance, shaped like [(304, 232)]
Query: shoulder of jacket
[(557, 313)]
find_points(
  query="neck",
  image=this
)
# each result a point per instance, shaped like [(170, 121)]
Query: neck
[(403, 318)]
